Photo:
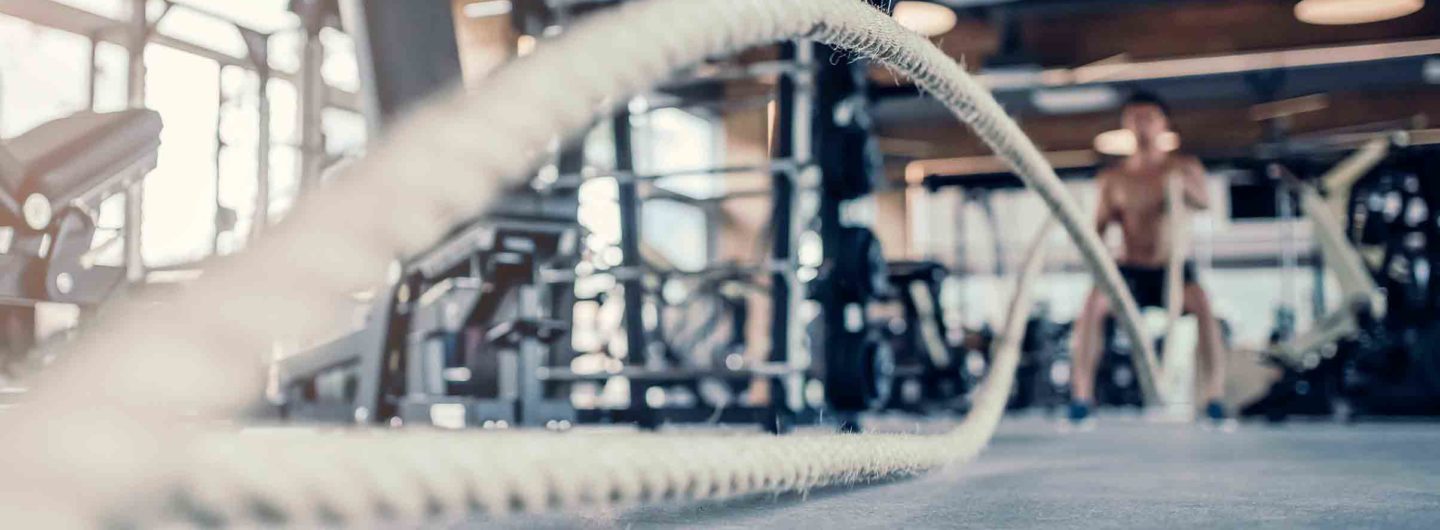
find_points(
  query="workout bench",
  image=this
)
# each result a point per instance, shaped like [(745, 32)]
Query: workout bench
[(52, 178)]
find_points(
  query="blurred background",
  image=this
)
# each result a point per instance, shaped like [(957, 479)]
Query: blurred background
[(259, 99)]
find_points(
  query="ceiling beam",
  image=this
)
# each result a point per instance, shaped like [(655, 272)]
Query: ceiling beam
[(1152, 30), (62, 17), (1225, 129)]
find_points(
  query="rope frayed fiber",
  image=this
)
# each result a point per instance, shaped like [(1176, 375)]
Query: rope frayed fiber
[(123, 431)]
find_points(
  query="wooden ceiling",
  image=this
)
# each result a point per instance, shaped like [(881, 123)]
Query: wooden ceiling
[(1089, 31), (1193, 27), (1060, 34), (1074, 33), (1222, 129)]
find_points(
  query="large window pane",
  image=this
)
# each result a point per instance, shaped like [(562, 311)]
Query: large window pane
[(344, 132), (677, 140), (204, 30), (179, 194), (340, 70), (42, 75)]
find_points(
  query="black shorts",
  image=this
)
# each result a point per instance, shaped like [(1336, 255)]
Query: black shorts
[(1147, 284)]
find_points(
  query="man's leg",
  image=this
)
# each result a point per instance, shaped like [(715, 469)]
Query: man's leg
[(1210, 350), (1085, 351)]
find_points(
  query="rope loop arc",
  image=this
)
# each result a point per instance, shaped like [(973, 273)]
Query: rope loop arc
[(100, 443)]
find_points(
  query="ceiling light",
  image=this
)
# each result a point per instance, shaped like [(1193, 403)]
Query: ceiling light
[(1076, 100), (925, 18), (1118, 142), (1338, 12), (488, 8), (1122, 142), (1012, 77), (1431, 71)]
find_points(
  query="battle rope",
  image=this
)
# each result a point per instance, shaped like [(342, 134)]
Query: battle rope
[(100, 438), (1358, 292), (1179, 241)]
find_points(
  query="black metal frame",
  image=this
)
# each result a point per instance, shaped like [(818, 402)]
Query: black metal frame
[(396, 361)]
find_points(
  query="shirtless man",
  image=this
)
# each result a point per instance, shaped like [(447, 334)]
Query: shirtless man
[(1132, 194)]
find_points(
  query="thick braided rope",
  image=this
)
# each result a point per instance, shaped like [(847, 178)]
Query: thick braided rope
[(100, 437), (302, 478), (1179, 241), (305, 479), (1358, 291), (947, 81)]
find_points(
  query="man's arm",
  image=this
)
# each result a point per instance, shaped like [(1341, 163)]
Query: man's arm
[(1105, 204), (1192, 180)]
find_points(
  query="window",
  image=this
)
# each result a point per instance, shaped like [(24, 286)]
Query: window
[(178, 204), (669, 140), (665, 140), (42, 75)]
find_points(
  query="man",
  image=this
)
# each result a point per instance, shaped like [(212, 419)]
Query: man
[(1132, 194)]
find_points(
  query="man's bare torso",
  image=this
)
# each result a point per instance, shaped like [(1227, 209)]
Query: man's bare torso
[(1135, 199)]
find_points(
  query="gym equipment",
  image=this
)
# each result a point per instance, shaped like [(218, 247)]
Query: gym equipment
[(687, 380), (857, 364), (458, 341), (1042, 379), (461, 333), (52, 178), (1393, 365), (855, 356), (1046, 350), (677, 369), (929, 370), (849, 152), (861, 273), (1116, 381), (656, 365), (52, 181), (1374, 355), (706, 326), (456, 473)]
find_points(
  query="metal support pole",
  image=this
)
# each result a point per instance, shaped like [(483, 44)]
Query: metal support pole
[(997, 238), (261, 217), (312, 89), (91, 72), (962, 236), (219, 156), (137, 30), (792, 140), (258, 45), (1317, 296), (803, 149), (629, 202), (1289, 256), (531, 354)]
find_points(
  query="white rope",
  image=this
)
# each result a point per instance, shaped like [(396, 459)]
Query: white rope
[(100, 438), (1341, 179), (1179, 237), (1358, 290), (1357, 286)]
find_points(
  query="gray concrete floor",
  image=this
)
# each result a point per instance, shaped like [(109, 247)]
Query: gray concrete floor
[(1128, 473)]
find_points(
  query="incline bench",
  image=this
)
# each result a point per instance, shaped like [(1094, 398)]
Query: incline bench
[(52, 180)]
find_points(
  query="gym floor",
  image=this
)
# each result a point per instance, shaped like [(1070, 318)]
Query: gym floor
[(1127, 473)]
